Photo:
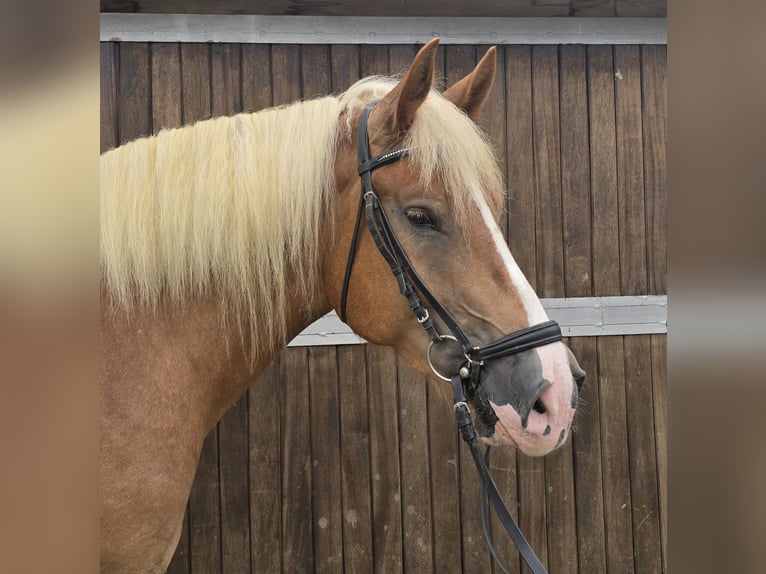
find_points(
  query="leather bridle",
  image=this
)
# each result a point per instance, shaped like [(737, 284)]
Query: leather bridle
[(466, 382)]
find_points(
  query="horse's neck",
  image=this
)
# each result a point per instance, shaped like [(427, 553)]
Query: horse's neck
[(189, 353)]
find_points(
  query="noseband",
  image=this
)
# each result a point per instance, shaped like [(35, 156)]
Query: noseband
[(467, 380)]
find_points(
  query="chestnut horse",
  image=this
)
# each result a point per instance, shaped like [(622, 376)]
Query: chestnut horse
[(223, 240)]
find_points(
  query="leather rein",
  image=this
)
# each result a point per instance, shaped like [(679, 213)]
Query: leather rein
[(467, 380)]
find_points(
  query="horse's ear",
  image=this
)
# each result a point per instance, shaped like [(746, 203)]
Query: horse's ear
[(470, 92), (396, 111)]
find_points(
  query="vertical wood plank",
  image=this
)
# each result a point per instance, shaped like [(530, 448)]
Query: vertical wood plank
[(630, 170), (195, 82), (352, 382), (264, 397), (265, 471), (575, 201), (355, 460), (660, 406), (109, 77), (226, 68), (521, 176), (494, 124), (297, 535), (325, 454), (643, 458), (315, 69), (285, 64), (460, 61), (417, 544), (179, 564), (204, 502), (345, 66), (416, 475), (575, 173), (384, 459), (256, 77), (606, 255), (134, 92), (298, 555), (653, 89), (522, 239), (545, 121), (166, 86), (633, 280), (233, 426), (586, 444), (373, 60), (205, 510), (235, 489), (443, 452), (616, 467)]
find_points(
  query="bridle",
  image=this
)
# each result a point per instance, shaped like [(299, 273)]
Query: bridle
[(466, 382)]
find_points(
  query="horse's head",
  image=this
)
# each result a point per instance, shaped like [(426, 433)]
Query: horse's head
[(441, 200)]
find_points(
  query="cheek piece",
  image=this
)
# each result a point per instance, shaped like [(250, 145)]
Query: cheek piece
[(467, 380)]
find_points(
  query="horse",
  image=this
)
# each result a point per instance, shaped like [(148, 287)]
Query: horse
[(222, 240)]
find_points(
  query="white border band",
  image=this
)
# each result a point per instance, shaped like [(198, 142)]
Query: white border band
[(578, 317), (119, 27)]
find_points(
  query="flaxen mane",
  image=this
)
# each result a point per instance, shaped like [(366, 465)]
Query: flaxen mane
[(234, 204)]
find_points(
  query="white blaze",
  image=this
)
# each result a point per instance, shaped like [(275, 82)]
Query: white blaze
[(532, 305)]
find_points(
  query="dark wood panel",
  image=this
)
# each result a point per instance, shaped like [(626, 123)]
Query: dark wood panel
[(660, 395), (134, 92), (204, 502), (575, 173), (547, 158), (256, 77), (521, 182), (586, 444), (179, 564), (264, 399), (233, 470), (225, 63), (166, 86), (195, 82), (603, 169), (416, 473), (384, 459), (205, 510), (325, 460), (297, 519), (643, 459), (233, 427), (654, 105), (109, 85), (615, 457), (355, 459), (417, 549), (630, 170)]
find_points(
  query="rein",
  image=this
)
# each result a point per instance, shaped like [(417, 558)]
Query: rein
[(467, 380)]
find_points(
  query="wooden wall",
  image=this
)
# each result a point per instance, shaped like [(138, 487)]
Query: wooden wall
[(341, 458)]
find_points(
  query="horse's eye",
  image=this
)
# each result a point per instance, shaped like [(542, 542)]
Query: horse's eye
[(420, 217)]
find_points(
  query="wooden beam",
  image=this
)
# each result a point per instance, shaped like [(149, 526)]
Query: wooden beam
[(451, 8), (378, 30), (578, 317)]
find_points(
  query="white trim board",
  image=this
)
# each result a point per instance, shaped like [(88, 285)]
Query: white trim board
[(119, 27), (578, 317)]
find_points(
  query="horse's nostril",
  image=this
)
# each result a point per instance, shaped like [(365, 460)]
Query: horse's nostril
[(539, 407)]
